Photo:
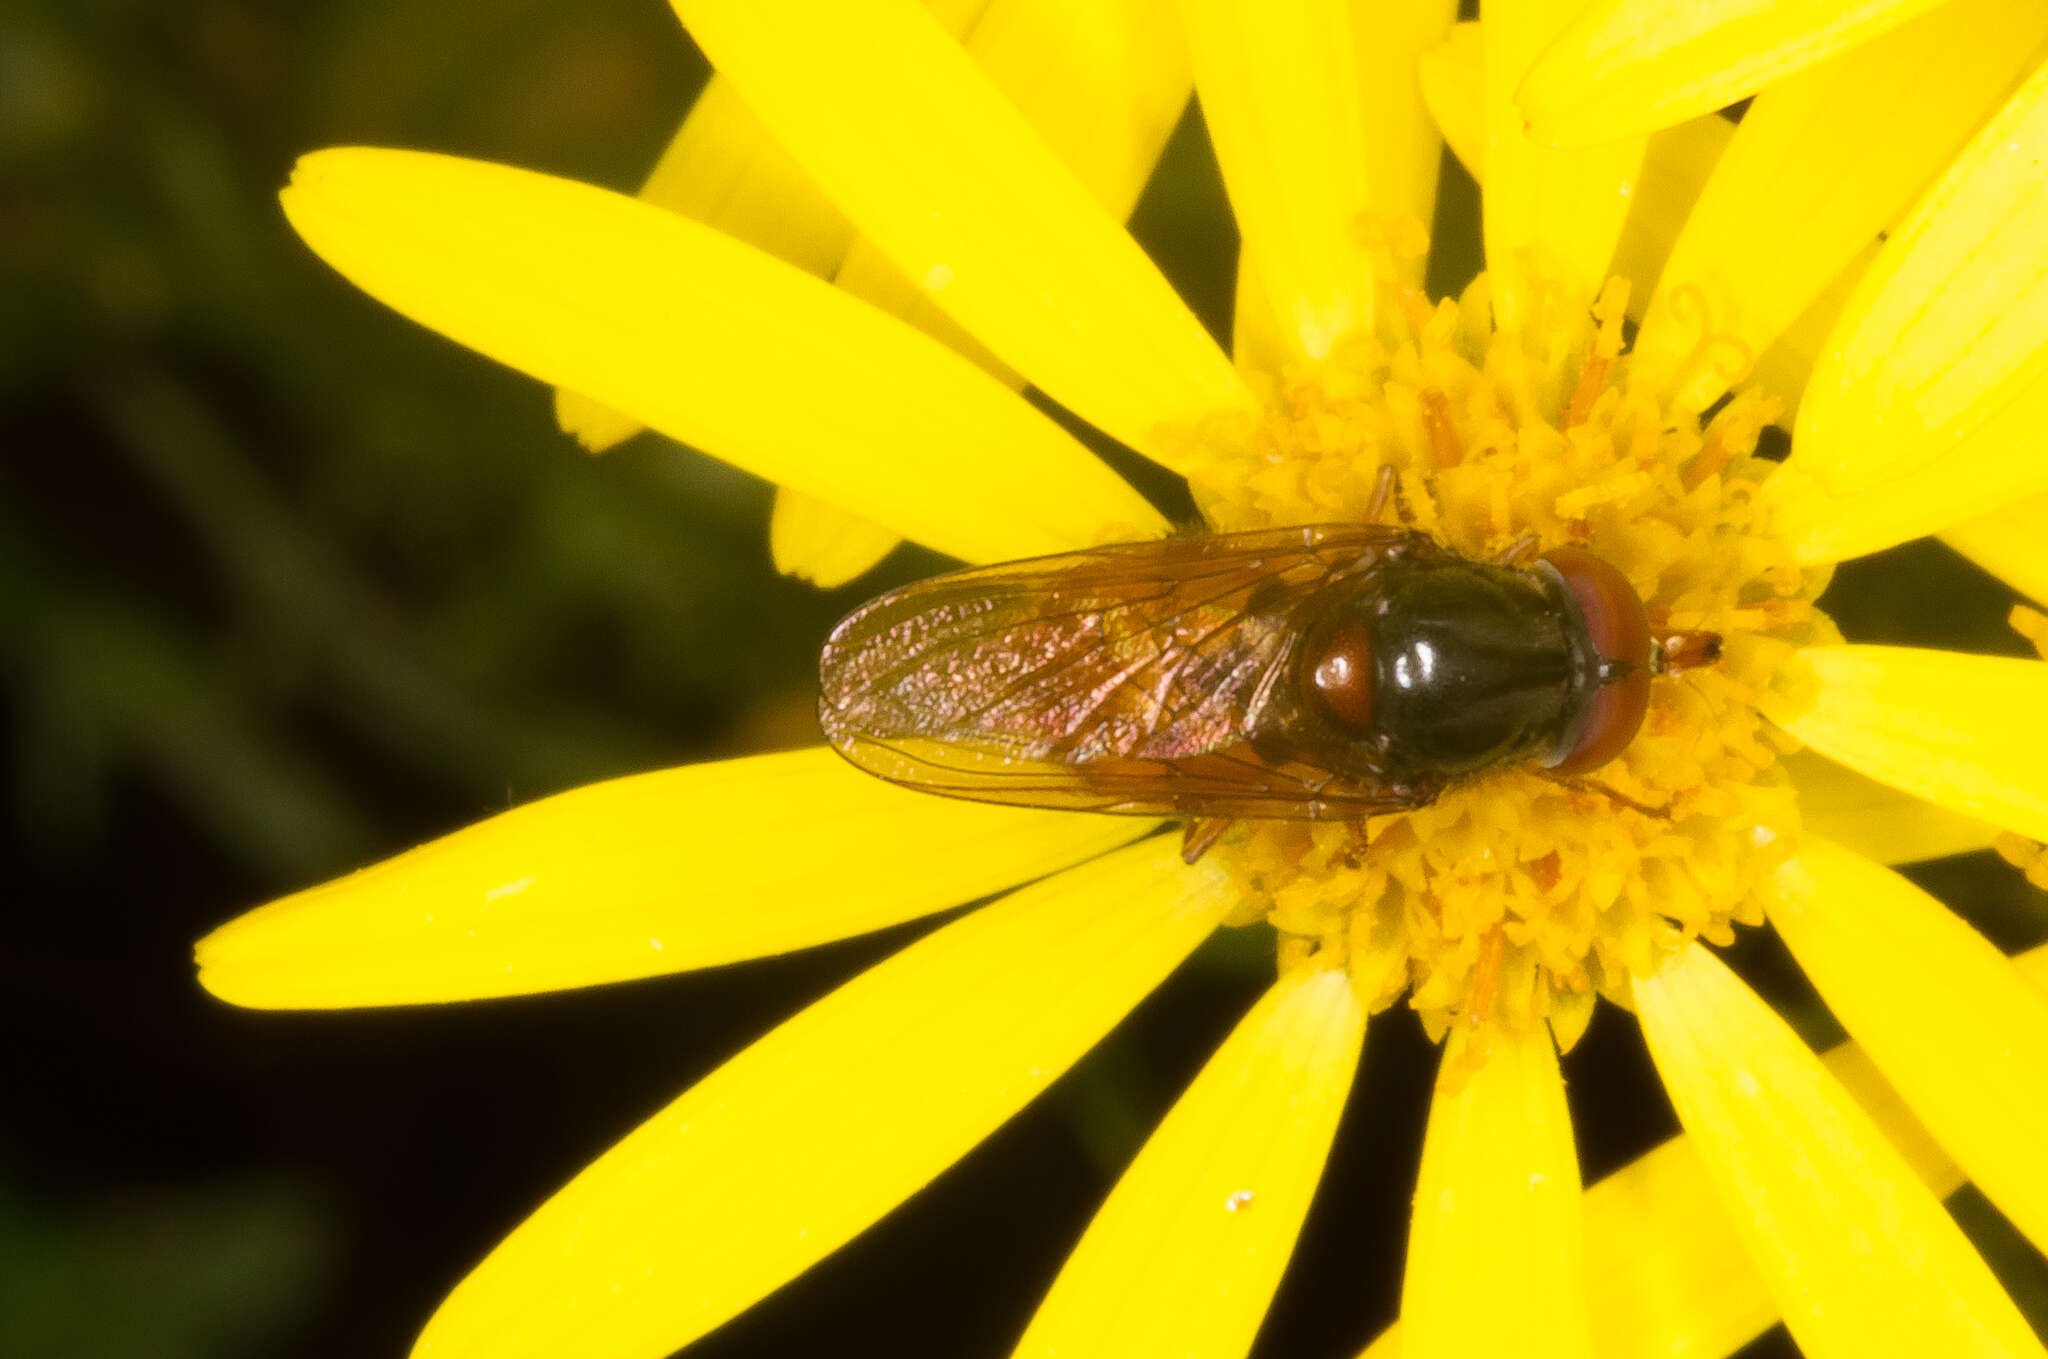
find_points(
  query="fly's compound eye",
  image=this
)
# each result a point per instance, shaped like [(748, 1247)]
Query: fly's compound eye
[(1337, 668), (1619, 631)]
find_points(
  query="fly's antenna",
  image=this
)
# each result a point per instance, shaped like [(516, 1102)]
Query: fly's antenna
[(1675, 652)]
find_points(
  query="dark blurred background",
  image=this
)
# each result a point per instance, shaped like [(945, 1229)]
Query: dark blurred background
[(288, 584)]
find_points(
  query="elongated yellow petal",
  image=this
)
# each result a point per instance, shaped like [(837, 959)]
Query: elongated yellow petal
[(1785, 368), (1551, 216), (1452, 76), (1627, 66), (1666, 1272), (822, 543), (1497, 1199), (1281, 96), (1965, 732), (1092, 76), (1877, 820), (1185, 1255), (1404, 150), (1676, 166), (636, 877), (802, 1141), (712, 343), (1258, 342), (1944, 1015), (591, 423), (1861, 1257), (1822, 163), (1676, 161), (1103, 82), (723, 169), (1927, 406), (949, 181), (2009, 544)]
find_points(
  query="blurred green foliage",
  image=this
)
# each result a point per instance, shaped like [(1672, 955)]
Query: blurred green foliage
[(270, 547), (213, 1270), (291, 584)]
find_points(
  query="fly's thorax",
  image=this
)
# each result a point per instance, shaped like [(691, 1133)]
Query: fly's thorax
[(1471, 666)]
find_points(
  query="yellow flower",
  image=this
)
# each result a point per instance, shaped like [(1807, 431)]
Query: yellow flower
[(985, 184)]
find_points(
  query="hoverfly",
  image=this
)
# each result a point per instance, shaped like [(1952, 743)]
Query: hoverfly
[(1326, 672)]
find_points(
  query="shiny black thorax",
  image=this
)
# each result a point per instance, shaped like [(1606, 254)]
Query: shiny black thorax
[(1475, 665)]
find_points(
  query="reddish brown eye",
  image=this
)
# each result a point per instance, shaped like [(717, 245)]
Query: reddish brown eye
[(1340, 672), (1620, 632)]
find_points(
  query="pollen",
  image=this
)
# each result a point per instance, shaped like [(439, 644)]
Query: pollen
[(1518, 899)]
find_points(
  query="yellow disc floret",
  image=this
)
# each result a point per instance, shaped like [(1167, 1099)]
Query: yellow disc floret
[(1517, 898)]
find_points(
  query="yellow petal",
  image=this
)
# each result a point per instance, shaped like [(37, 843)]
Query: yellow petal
[(1965, 732), (1095, 80), (711, 343), (1404, 150), (822, 543), (1283, 100), (1551, 216), (1497, 1200), (2009, 544), (1258, 342), (1927, 406), (593, 424), (1102, 81), (1666, 1272), (1628, 66), (637, 877), (1453, 79), (1786, 367), (946, 177), (1861, 1257), (1944, 1015), (1876, 820), (1675, 165), (1092, 76), (1822, 163), (802, 1141), (1184, 1257), (724, 170)]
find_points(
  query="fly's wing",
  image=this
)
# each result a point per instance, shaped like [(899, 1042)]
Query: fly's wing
[(1136, 678)]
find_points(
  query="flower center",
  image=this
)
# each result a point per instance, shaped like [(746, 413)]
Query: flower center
[(1518, 898)]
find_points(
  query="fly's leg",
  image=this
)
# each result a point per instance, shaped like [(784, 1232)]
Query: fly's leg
[(1446, 449), (1383, 488), (1199, 834), (1485, 984), (1519, 551), (1620, 799)]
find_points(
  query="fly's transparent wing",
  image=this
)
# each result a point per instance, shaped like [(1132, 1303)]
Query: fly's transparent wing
[(1140, 678)]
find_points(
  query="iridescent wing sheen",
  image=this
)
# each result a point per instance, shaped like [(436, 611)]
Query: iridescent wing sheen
[(1149, 678)]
